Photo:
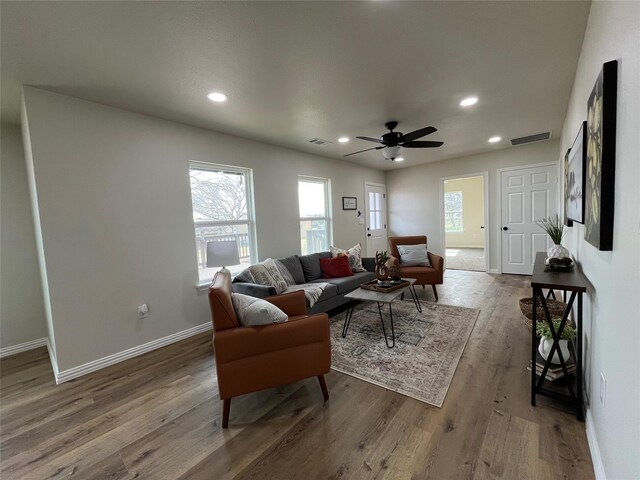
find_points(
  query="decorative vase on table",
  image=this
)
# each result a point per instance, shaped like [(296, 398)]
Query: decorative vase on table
[(545, 349), (558, 251), (382, 272)]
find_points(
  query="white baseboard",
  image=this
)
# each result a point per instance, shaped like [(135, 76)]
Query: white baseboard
[(596, 459), (493, 270), (54, 361), (75, 372), (22, 347)]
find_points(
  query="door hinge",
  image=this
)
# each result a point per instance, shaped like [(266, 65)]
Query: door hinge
[(384, 195), (385, 225)]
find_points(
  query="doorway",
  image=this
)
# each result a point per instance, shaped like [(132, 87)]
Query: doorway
[(464, 221), (527, 194), (375, 199)]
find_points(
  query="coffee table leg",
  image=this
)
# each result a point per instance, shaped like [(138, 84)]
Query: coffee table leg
[(393, 333), (347, 319), (414, 295)]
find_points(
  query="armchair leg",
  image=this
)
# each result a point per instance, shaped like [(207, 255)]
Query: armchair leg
[(435, 292), (323, 386), (226, 407)]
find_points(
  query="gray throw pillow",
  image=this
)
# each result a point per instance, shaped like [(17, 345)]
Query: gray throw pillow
[(292, 264), (311, 266), (244, 277), (414, 255), (285, 273), (253, 311)]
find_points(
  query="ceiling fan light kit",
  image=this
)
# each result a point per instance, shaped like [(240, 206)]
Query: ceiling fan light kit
[(392, 143)]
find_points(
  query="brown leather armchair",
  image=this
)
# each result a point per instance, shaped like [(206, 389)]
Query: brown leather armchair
[(432, 275), (249, 359)]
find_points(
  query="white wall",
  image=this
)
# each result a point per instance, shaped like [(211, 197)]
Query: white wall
[(115, 215), (612, 306), (21, 312), (414, 193), (472, 235)]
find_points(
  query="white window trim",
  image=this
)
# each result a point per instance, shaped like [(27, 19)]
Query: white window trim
[(328, 205), (202, 287)]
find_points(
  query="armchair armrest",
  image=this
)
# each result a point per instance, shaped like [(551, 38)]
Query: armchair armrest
[(393, 261), (253, 289), (294, 303), (437, 262), (242, 342)]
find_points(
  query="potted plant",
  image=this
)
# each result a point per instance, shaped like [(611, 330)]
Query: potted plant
[(546, 339), (554, 227)]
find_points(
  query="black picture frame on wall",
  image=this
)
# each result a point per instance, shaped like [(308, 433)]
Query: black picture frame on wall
[(574, 177), (567, 222), (349, 203), (601, 159)]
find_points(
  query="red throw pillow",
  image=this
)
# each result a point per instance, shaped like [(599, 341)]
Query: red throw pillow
[(335, 267)]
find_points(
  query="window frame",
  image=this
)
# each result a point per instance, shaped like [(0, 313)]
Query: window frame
[(327, 207), (461, 212), (250, 206)]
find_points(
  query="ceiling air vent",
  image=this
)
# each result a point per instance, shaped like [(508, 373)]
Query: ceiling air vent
[(319, 141), (531, 138)]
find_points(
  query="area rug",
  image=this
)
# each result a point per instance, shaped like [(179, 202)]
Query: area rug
[(428, 347), (466, 259)]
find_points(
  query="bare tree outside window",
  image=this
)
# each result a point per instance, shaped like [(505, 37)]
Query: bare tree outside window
[(221, 212), (453, 212)]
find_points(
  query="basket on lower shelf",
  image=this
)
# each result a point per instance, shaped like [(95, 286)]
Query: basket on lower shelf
[(556, 309)]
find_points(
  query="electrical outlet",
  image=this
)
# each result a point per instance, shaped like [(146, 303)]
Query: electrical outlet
[(603, 389), (143, 311)]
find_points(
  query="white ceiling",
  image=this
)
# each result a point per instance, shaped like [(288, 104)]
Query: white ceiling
[(297, 70)]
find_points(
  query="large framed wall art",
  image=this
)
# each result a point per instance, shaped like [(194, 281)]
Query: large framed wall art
[(601, 155)]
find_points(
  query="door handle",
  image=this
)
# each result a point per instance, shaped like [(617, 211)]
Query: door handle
[(482, 226), (505, 228), (368, 234)]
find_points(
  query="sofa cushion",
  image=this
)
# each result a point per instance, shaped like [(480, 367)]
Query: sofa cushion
[(286, 275), (335, 267), (414, 255), (329, 291), (292, 264), (346, 284), (267, 273), (354, 254), (311, 266), (253, 311)]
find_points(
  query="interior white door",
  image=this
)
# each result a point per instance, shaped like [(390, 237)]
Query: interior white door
[(527, 195), (375, 196)]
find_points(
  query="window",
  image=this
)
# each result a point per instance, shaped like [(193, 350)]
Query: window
[(453, 212), (315, 218), (222, 199)]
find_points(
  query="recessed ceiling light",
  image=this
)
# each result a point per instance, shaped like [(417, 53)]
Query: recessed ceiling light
[(343, 139), (399, 159), (217, 97), (467, 102), (495, 139)]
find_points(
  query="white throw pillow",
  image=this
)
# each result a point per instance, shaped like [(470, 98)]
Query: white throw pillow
[(267, 273), (253, 311), (414, 255), (354, 254)]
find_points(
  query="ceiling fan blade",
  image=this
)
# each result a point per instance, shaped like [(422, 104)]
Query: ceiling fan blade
[(418, 133), (422, 144), (365, 150), (369, 139)]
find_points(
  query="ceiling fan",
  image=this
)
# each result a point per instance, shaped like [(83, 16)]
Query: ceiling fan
[(392, 142)]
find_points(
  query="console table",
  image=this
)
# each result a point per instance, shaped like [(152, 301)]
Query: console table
[(568, 281)]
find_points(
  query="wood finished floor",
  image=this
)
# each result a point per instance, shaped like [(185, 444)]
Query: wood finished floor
[(158, 416)]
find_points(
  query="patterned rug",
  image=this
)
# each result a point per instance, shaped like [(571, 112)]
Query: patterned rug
[(428, 347)]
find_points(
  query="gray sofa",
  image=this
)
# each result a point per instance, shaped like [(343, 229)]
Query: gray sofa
[(306, 269)]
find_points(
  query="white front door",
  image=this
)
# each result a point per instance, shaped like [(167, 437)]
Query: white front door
[(528, 194), (375, 199)]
